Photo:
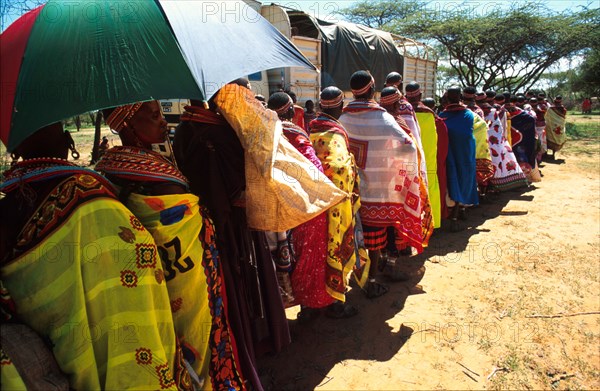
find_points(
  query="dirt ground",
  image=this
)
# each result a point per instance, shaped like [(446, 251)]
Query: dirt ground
[(469, 317)]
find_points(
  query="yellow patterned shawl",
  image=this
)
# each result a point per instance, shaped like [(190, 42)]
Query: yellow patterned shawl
[(175, 223), (555, 129), (88, 278), (331, 147), (185, 241)]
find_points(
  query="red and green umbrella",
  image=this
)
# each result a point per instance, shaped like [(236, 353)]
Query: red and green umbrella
[(65, 58)]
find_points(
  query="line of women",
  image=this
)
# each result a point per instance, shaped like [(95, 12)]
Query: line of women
[(147, 273)]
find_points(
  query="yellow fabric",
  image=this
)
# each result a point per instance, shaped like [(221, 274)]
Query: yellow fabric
[(555, 129), (480, 132), (339, 167), (429, 139), (9, 376), (283, 188), (96, 289), (175, 223)]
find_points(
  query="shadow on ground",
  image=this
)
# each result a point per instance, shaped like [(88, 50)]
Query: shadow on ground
[(320, 345)]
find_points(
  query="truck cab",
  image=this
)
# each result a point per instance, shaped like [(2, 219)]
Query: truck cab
[(172, 109)]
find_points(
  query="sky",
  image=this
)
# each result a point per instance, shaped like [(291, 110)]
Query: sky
[(327, 9)]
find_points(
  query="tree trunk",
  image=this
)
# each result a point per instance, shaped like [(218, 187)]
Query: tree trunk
[(78, 123), (97, 136)]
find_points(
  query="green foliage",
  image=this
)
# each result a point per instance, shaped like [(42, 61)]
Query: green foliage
[(583, 130), (587, 79), (380, 14), (502, 48)]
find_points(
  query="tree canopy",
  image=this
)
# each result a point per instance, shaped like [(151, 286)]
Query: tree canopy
[(587, 78), (503, 48)]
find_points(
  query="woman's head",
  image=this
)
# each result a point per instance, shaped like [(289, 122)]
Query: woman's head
[(332, 101), (390, 98), (139, 124), (50, 141), (282, 104), (362, 85)]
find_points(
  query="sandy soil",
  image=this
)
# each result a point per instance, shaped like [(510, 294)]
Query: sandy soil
[(464, 320)]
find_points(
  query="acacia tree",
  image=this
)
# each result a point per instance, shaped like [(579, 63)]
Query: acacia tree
[(381, 14), (12, 9), (498, 48), (587, 77)]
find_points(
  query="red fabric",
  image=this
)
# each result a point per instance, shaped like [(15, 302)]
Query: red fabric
[(442, 154), (375, 239), (515, 136), (300, 140), (309, 277), (586, 105), (384, 214), (326, 123), (13, 42), (359, 105), (202, 115), (299, 116), (309, 239), (484, 171)]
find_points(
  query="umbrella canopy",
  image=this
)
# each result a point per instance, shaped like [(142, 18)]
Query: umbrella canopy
[(65, 58)]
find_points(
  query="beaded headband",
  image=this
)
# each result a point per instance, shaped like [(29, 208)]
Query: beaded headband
[(116, 120), (331, 103), (284, 109), (412, 94), (390, 99), (365, 89)]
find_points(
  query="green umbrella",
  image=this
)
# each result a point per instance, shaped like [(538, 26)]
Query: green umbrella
[(65, 58)]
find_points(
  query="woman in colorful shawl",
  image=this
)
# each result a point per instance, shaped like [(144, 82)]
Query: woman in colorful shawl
[(390, 186), (84, 273), (330, 140), (390, 101), (157, 194), (426, 120), (468, 99), (484, 168), (312, 283), (540, 125), (462, 152), (210, 154), (508, 174), (405, 110), (442, 154), (525, 151), (556, 118)]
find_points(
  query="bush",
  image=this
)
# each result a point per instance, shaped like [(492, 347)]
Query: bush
[(582, 131)]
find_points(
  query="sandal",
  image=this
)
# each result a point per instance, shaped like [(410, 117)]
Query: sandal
[(340, 310), (375, 289)]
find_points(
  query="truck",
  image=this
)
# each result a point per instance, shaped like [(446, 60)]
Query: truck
[(337, 50)]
